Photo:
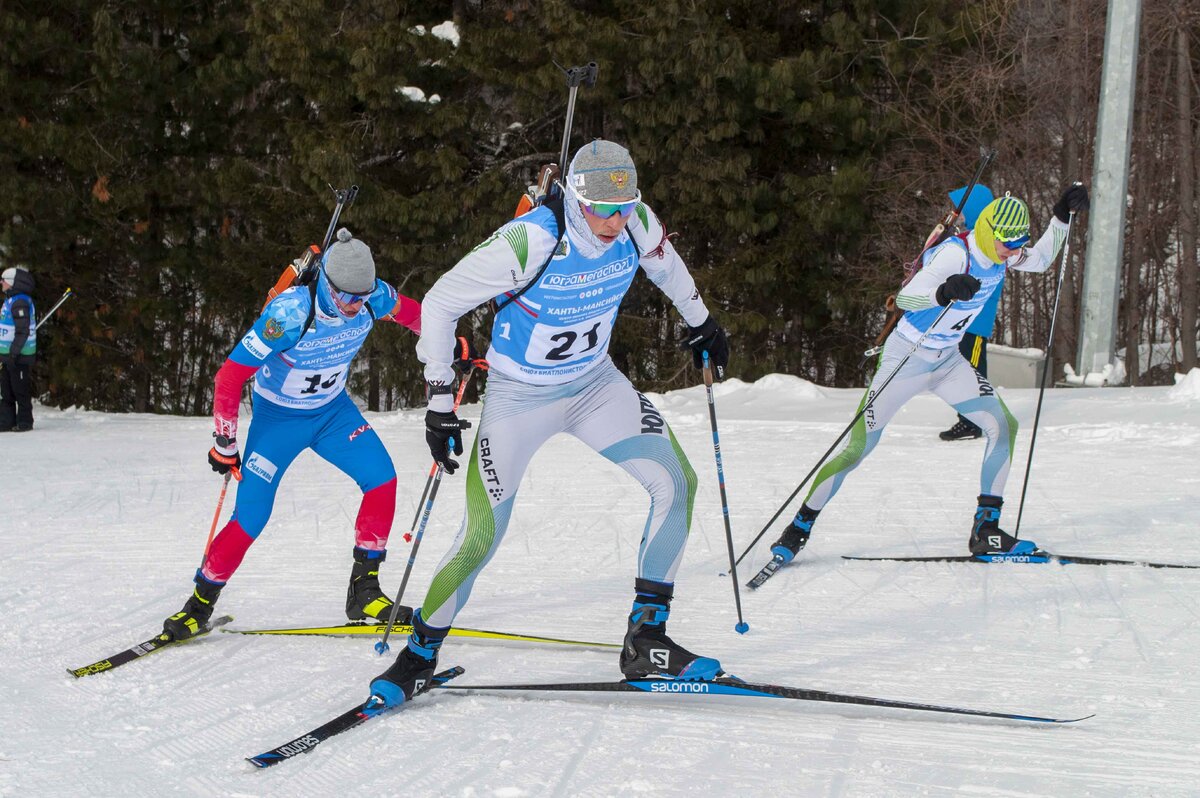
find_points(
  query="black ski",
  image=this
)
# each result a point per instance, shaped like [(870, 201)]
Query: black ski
[(766, 573), (156, 643), (1036, 557), (729, 686), (371, 708)]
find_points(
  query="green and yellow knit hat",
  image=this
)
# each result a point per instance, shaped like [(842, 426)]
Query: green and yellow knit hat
[(1005, 220)]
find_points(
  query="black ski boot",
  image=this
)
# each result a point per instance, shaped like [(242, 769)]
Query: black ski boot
[(648, 651), (413, 668), (364, 598), (963, 430), (986, 535), (795, 535), (193, 618)]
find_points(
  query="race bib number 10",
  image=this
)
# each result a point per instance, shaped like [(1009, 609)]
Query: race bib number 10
[(556, 346)]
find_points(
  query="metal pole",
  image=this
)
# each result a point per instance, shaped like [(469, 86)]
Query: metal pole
[(1110, 181)]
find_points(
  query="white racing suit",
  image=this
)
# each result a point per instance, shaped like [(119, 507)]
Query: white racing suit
[(550, 372), (936, 365)]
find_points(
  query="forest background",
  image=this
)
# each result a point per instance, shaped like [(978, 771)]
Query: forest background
[(166, 159)]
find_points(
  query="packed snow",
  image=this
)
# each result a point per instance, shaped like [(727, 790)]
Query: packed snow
[(106, 516)]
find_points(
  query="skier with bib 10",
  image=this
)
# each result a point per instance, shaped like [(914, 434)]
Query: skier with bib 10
[(962, 272), (299, 353), (558, 275)]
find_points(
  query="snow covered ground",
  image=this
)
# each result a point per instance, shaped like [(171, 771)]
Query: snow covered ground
[(105, 517)]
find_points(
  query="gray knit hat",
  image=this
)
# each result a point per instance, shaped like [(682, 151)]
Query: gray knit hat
[(349, 264), (603, 171)]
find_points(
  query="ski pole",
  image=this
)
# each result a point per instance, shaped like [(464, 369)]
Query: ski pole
[(1062, 270), (408, 536), (866, 405), (431, 482), (382, 646), (66, 295), (742, 627), (212, 530)]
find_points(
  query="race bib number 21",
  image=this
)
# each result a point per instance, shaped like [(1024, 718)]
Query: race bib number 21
[(556, 346)]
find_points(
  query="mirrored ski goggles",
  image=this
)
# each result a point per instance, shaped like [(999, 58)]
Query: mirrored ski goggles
[(1012, 239), (607, 210), (347, 299)]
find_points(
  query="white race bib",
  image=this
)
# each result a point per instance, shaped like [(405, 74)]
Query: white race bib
[(556, 346), (308, 384)]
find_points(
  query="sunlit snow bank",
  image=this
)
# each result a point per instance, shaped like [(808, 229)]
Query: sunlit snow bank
[(1187, 386)]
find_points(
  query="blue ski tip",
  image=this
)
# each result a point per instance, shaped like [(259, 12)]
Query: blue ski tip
[(742, 628), (382, 648)]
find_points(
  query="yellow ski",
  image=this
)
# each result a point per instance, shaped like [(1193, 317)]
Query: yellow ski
[(368, 629)]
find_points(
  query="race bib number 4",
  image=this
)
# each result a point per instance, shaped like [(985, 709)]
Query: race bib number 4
[(304, 384), (556, 346)]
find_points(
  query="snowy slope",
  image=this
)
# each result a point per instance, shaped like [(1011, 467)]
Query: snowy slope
[(105, 518)]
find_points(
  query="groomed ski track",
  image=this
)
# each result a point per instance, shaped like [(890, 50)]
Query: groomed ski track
[(104, 518)]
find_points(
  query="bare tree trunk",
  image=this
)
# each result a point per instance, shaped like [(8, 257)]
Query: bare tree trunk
[(1188, 298), (1068, 322), (1142, 212)]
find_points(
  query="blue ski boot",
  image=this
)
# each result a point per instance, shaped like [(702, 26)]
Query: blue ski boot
[(795, 536), (196, 611), (648, 652), (987, 538), (411, 672)]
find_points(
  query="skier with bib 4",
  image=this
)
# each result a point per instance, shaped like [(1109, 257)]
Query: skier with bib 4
[(558, 276), (963, 272), (299, 353)]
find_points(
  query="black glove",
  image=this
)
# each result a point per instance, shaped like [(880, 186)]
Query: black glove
[(466, 356), (708, 337), (1075, 198), (440, 430), (958, 287), (224, 457)]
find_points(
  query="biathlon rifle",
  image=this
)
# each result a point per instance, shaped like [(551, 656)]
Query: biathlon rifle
[(943, 230)]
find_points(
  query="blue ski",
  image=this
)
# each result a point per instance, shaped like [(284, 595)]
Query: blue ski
[(371, 708), (730, 686)]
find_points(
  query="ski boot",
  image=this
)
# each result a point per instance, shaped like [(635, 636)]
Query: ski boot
[(963, 430), (193, 618), (413, 668), (986, 535), (648, 651), (795, 536), (364, 598)]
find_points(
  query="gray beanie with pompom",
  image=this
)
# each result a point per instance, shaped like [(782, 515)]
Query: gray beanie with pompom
[(349, 265)]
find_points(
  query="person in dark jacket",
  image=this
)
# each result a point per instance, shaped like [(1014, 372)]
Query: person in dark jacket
[(18, 347)]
